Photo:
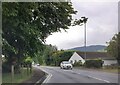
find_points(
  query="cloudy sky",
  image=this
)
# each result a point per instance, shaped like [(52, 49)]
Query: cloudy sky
[(102, 24)]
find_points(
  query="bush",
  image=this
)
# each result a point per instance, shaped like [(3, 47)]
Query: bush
[(79, 63), (93, 63)]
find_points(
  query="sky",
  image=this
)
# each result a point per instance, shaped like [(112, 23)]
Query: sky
[(101, 26)]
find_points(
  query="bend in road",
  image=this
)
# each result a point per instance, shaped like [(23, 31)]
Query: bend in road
[(79, 76)]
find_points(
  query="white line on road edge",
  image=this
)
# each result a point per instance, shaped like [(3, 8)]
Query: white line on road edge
[(92, 77), (100, 79), (48, 76)]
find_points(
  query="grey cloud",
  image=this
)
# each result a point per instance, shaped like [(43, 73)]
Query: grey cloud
[(101, 26)]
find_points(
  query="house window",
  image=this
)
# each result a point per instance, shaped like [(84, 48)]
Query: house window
[(75, 61)]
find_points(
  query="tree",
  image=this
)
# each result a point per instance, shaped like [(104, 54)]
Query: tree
[(28, 62), (60, 56), (26, 25), (114, 47), (47, 54)]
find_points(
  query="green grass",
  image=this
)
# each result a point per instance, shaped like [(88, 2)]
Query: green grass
[(7, 78)]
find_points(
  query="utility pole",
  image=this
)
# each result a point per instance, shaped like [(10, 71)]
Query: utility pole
[(80, 22), (84, 20), (85, 40)]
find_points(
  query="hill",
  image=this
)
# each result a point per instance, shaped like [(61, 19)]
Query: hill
[(92, 48)]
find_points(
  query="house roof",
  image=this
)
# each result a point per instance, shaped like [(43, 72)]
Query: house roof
[(94, 55)]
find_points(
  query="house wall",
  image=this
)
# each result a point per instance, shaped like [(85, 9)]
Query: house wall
[(109, 62), (76, 57)]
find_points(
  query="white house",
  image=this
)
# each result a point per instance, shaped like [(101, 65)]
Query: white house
[(76, 57), (79, 56)]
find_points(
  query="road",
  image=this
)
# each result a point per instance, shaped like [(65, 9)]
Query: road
[(57, 75)]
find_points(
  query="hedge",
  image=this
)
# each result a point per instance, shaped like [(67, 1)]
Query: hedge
[(94, 63)]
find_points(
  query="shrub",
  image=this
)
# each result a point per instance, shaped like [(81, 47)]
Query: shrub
[(79, 63), (93, 63)]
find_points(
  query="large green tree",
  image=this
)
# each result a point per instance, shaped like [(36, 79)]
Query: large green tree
[(114, 47), (26, 25)]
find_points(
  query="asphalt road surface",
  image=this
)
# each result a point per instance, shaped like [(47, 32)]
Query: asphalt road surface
[(57, 75)]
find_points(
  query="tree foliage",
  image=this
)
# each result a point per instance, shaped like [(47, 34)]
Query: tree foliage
[(114, 46), (26, 25), (47, 54), (28, 60), (52, 56), (60, 56)]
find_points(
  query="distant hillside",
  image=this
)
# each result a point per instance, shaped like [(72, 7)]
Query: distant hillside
[(92, 48)]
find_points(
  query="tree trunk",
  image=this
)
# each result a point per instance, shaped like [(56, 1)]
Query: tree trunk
[(18, 67)]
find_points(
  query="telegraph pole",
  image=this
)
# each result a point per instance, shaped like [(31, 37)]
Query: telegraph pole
[(85, 40), (84, 19)]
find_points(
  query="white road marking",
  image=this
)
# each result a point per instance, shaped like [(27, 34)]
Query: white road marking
[(89, 76), (100, 79), (97, 78), (48, 76)]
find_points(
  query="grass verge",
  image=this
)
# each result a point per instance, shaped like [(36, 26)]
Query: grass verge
[(24, 75)]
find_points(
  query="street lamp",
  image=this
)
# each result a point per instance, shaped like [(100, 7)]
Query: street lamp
[(84, 20), (80, 22)]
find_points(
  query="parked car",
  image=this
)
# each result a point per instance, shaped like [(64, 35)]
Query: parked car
[(66, 65)]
